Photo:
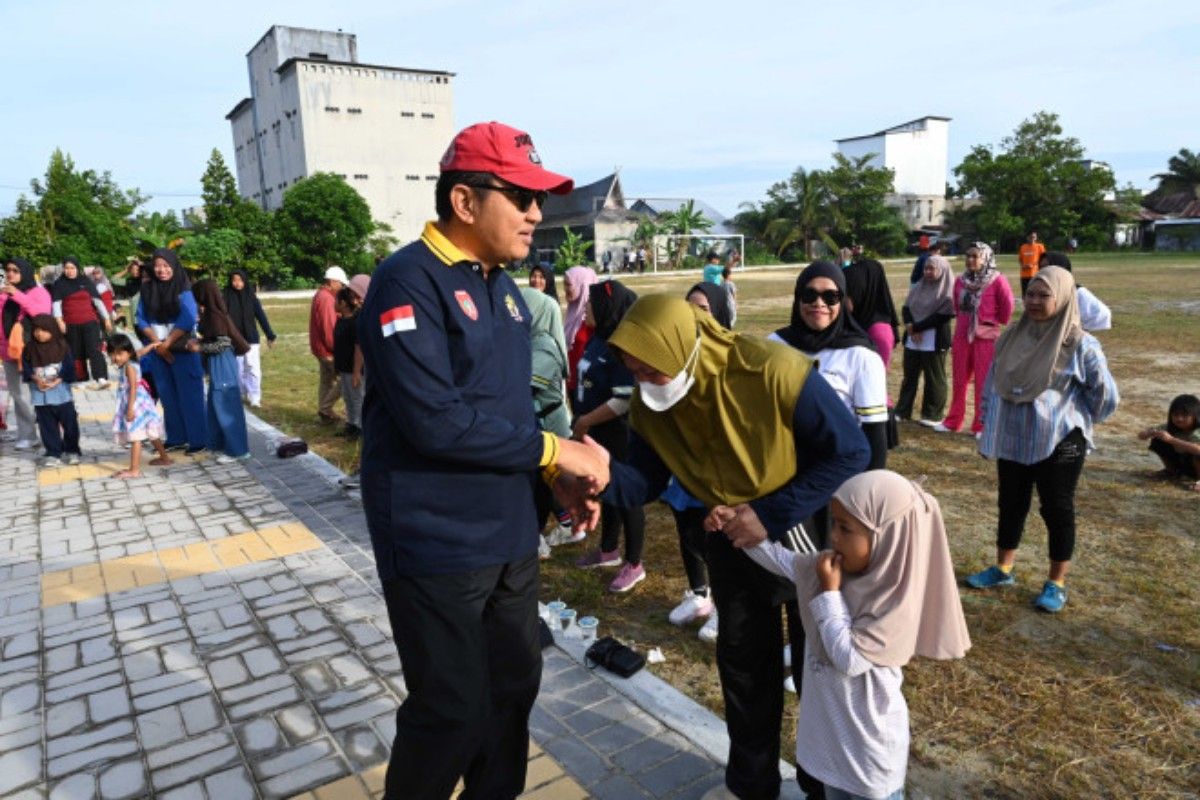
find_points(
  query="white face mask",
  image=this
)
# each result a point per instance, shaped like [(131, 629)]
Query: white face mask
[(660, 398)]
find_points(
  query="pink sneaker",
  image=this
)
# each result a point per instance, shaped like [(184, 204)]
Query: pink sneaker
[(599, 558), (629, 576)]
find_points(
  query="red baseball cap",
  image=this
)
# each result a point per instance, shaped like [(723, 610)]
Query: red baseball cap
[(505, 152)]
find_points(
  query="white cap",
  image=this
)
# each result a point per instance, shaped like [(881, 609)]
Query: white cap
[(337, 274)]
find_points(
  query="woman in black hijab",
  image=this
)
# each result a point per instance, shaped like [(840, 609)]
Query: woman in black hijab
[(247, 314), (871, 304), (21, 298), (713, 299), (80, 310), (542, 279), (823, 329), (166, 319), (601, 409)]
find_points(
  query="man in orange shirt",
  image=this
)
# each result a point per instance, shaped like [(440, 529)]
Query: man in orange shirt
[(1029, 255)]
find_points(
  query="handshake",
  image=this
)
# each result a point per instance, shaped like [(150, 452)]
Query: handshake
[(577, 477)]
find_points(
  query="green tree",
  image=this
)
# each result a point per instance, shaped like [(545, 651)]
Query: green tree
[(26, 233), (382, 242), (219, 191), (1182, 175), (323, 221), (572, 252), (216, 253), (155, 230), (855, 194), (687, 220), (1039, 180), (85, 213)]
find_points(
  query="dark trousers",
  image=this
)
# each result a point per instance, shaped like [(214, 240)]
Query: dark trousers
[(750, 663), (468, 645), (180, 387), (692, 545), (931, 366), (614, 437), (84, 341), (1056, 478), (59, 427), (1185, 465)]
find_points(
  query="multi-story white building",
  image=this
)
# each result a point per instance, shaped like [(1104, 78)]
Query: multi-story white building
[(314, 108), (918, 152)]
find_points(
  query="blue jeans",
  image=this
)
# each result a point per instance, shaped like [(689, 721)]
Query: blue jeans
[(838, 794), (226, 418), (180, 387)]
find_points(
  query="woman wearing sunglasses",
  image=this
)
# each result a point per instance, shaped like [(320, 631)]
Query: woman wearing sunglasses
[(846, 357)]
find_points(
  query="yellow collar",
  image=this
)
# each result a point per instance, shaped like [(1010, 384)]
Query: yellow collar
[(446, 251)]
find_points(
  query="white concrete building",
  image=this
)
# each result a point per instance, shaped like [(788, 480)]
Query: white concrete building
[(918, 152), (313, 107)]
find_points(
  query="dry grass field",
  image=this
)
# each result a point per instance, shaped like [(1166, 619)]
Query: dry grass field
[(1102, 700)]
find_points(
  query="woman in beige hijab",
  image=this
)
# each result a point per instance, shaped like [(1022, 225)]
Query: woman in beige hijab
[(1048, 386), (883, 593)]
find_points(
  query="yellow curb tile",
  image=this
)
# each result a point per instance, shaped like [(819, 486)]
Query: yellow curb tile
[(57, 595), (81, 590), (374, 778), (542, 769), (534, 750), (305, 796), (119, 577), (348, 788), (291, 541), (95, 417), (148, 576), (200, 557), (86, 572), (565, 788), (57, 578), (229, 553), (254, 547)]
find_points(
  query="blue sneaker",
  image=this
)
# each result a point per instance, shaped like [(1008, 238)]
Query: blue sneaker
[(1052, 599), (990, 578)]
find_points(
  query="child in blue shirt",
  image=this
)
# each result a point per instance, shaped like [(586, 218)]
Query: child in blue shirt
[(49, 366)]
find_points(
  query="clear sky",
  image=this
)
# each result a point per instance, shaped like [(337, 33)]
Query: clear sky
[(709, 99)]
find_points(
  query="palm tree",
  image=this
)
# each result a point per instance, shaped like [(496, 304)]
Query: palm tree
[(683, 222), (1183, 174)]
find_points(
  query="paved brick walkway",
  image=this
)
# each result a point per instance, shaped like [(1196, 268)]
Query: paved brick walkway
[(216, 631)]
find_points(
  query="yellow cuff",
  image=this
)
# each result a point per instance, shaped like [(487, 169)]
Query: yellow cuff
[(549, 450)]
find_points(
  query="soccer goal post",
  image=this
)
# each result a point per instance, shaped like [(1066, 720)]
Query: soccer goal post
[(696, 244)]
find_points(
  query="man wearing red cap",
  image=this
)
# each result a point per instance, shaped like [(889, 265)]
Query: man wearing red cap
[(451, 456)]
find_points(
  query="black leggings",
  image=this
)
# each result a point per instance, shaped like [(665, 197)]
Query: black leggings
[(1056, 479), (1185, 465), (84, 341), (614, 437), (690, 524)]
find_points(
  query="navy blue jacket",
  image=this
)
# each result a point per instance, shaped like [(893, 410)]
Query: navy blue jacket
[(830, 449), (451, 446)]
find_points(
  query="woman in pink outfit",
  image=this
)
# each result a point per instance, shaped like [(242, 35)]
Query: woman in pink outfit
[(983, 305), (20, 299)]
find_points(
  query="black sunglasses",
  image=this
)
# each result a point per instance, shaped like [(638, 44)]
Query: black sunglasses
[(830, 297), (522, 198)]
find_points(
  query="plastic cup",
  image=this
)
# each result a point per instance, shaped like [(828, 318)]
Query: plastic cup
[(587, 629), (555, 609), (566, 619)]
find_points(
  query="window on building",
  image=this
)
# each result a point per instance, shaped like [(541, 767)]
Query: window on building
[(431, 177), (332, 109), (413, 177), (361, 176), (426, 115), (353, 110), (321, 56), (407, 114)]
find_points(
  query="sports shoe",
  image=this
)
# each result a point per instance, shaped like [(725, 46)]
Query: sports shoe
[(563, 534), (629, 576), (598, 558), (71, 459), (228, 459), (349, 482), (543, 548), (789, 684), (692, 608), (708, 633), (1052, 599), (51, 461), (940, 428), (990, 578), (23, 444), (929, 423)]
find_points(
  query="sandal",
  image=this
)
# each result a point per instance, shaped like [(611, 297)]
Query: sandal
[(127, 474)]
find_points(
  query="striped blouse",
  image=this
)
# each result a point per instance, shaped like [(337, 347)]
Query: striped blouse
[(1080, 396)]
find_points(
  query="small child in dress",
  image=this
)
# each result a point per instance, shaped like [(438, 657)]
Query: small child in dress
[(1177, 444), (347, 359), (137, 419), (885, 592), (49, 366)]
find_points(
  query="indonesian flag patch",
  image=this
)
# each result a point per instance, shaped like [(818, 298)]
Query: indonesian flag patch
[(396, 319)]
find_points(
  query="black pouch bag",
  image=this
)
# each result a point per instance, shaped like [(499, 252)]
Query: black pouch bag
[(614, 657), (291, 448)]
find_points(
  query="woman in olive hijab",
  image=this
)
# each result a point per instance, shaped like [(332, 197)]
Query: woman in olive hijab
[(738, 421)]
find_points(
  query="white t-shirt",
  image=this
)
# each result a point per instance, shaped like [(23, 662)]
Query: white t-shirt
[(858, 376), (1093, 314)]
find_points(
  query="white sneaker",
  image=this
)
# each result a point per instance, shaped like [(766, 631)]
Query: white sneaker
[(928, 423), (564, 535), (940, 428), (692, 608), (51, 462), (228, 459), (543, 548), (708, 633), (978, 435), (71, 459), (23, 444), (789, 684)]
